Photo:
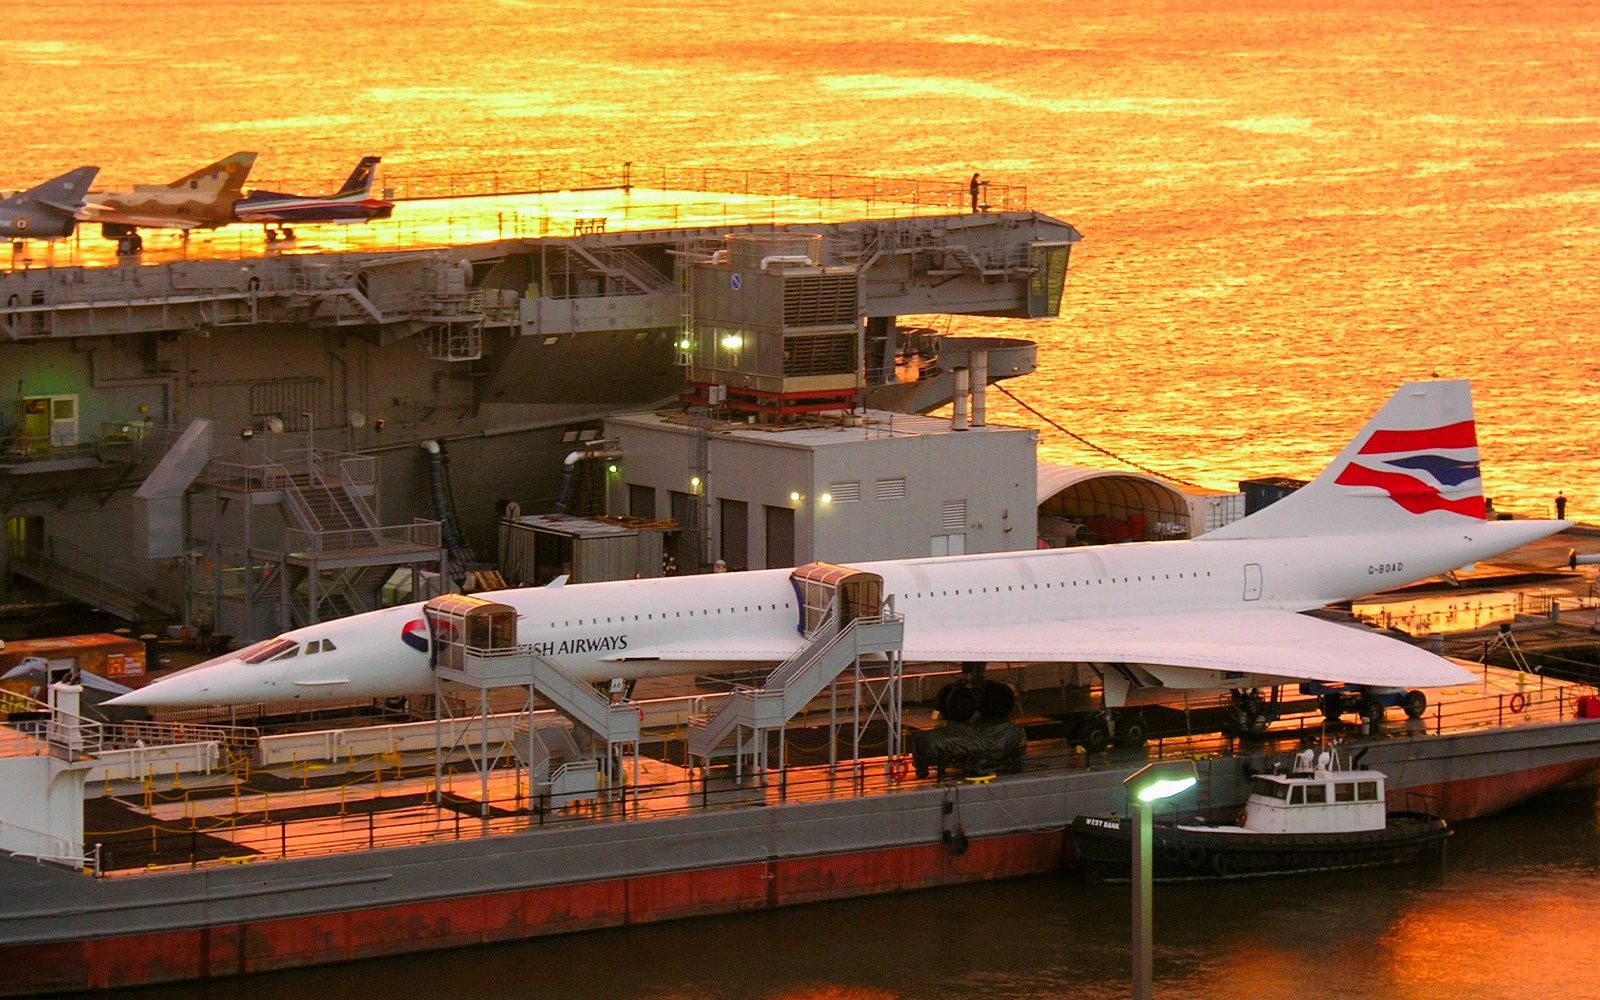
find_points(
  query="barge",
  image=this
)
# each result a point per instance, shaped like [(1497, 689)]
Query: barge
[(351, 854)]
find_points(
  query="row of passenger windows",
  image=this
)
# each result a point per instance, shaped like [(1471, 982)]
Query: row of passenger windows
[(651, 616), (1010, 588), (1063, 584)]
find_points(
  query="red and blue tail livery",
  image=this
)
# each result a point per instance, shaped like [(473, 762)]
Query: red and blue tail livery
[(1435, 468)]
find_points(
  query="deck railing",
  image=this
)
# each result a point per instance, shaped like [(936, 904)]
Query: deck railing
[(388, 799)]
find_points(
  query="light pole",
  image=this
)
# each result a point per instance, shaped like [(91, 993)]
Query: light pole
[(1146, 786)]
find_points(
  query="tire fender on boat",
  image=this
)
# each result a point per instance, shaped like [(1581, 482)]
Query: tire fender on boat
[(1194, 855), (1171, 851)]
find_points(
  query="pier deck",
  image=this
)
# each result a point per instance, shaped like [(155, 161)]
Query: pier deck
[(316, 807)]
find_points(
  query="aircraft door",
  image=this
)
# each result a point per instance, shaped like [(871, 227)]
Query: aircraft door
[(1252, 582)]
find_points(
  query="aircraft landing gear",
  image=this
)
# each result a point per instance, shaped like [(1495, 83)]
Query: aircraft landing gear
[(974, 695), (1250, 714), (281, 234), (129, 245)]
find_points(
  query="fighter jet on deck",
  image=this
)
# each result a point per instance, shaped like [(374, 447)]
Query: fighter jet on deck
[(351, 203), (49, 211), (201, 200)]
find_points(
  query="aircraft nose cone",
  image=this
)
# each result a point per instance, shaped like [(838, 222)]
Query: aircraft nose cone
[(172, 692)]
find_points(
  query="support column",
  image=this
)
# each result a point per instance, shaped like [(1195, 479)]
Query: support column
[(880, 349)]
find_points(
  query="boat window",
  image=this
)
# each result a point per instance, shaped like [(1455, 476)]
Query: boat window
[(1298, 795), (1269, 789), (268, 650), (1316, 794), (1367, 791), (1344, 791)]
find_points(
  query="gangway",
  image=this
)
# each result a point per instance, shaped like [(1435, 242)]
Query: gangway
[(474, 643), (844, 619)]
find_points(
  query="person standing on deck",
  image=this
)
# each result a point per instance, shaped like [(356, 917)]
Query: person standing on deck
[(973, 186), (1561, 506)]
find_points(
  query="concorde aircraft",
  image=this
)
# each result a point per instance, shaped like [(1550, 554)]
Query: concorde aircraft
[(48, 211), (1402, 502)]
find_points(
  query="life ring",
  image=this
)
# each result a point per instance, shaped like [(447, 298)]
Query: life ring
[(21, 224), (899, 768), (1518, 703)]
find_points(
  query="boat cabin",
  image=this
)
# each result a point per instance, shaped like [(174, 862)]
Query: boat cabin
[(1316, 801)]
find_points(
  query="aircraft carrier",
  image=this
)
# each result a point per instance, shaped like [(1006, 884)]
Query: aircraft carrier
[(498, 325)]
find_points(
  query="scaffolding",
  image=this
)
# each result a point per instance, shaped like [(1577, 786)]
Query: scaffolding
[(474, 643), (845, 620)]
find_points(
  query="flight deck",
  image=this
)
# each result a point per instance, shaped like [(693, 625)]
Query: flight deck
[(447, 211)]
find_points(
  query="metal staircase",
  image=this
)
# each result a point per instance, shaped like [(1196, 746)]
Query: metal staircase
[(475, 645), (844, 618), (321, 554), (790, 688)]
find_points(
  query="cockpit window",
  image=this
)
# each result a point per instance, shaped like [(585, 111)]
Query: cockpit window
[(327, 645), (269, 650)]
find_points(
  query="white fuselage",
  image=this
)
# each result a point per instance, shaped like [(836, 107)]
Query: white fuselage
[(630, 629)]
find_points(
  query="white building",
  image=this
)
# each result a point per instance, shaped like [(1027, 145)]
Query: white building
[(847, 487)]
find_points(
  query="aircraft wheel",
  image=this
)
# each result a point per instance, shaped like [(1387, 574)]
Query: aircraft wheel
[(1091, 733), (1415, 704), (962, 704), (1132, 733), (996, 700), (1371, 710)]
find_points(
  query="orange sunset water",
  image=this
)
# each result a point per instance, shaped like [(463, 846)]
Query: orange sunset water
[(1288, 209)]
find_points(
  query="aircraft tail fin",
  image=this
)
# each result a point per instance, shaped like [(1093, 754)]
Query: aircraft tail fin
[(1415, 463), (360, 181), (62, 194), (224, 176)]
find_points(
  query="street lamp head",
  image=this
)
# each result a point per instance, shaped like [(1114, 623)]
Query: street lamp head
[(1161, 779), (1164, 788)]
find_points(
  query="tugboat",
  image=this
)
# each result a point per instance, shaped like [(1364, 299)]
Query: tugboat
[(1318, 817)]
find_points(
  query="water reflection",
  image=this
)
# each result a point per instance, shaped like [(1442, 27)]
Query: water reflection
[(1508, 911)]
